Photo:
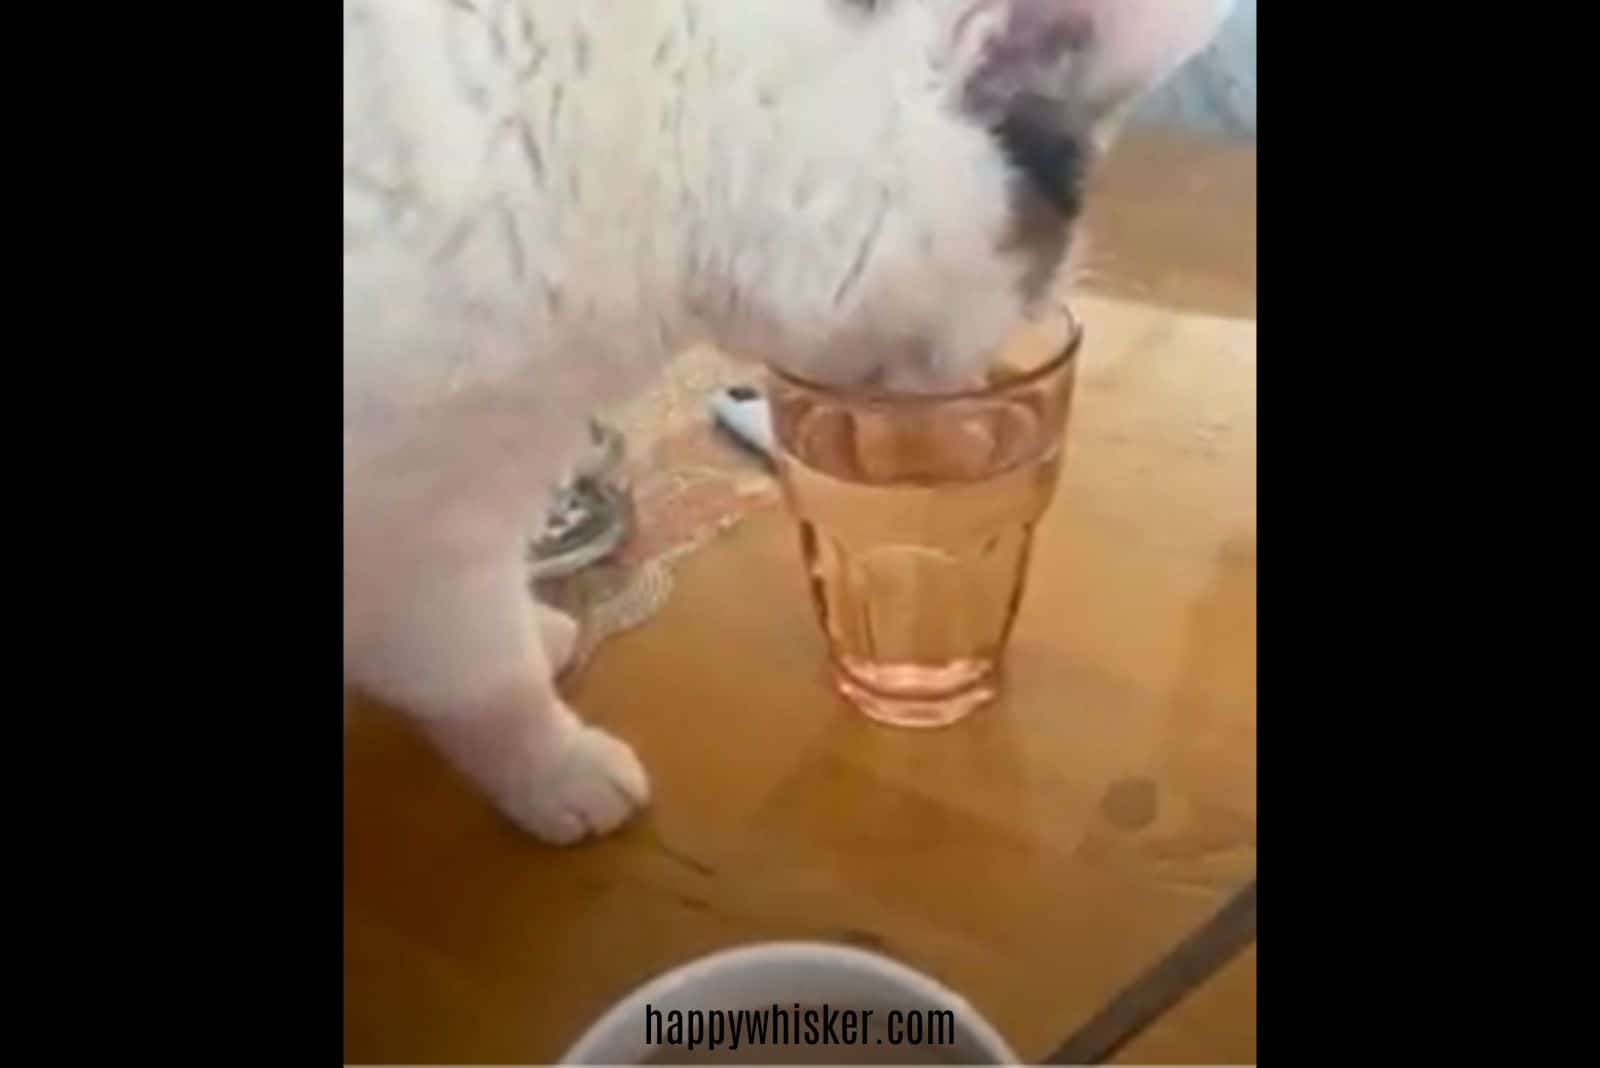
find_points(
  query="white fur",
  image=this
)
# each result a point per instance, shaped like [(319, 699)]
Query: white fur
[(546, 199)]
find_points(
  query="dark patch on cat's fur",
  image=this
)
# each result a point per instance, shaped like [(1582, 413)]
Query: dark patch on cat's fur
[(1022, 93), (1050, 163), (1032, 55), (1050, 157), (1039, 238)]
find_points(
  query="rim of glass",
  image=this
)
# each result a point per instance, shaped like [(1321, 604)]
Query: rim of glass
[(857, 394)]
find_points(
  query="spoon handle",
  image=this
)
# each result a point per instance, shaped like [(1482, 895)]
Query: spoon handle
[(1185, 967)]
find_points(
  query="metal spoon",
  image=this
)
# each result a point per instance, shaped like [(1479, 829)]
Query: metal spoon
[(1142, 1002)]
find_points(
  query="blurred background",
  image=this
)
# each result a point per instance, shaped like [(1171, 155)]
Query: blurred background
[(1216, 94)]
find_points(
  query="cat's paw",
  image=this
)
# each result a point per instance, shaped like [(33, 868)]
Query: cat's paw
[(591, 789), (559, 634)]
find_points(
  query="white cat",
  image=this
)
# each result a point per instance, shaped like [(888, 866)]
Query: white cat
[(547, 199)]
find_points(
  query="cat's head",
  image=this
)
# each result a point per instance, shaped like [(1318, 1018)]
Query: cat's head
[(932, 170)]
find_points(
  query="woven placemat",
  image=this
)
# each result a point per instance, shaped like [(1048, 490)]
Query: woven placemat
[(689, 483)]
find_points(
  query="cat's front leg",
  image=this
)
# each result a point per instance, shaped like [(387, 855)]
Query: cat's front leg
[(551, 774), (559, 633), (467, 659)]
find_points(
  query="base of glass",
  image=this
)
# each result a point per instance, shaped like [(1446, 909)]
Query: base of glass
[(917, 710)]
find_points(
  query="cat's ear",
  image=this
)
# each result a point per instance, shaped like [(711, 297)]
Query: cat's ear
[(1092, 59)]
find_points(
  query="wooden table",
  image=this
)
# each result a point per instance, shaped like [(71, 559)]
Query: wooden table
[(1035, 857)]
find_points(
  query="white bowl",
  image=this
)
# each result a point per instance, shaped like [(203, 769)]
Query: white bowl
[(786, 975)]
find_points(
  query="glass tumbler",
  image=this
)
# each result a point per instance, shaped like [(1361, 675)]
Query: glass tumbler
[(916, 516)]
